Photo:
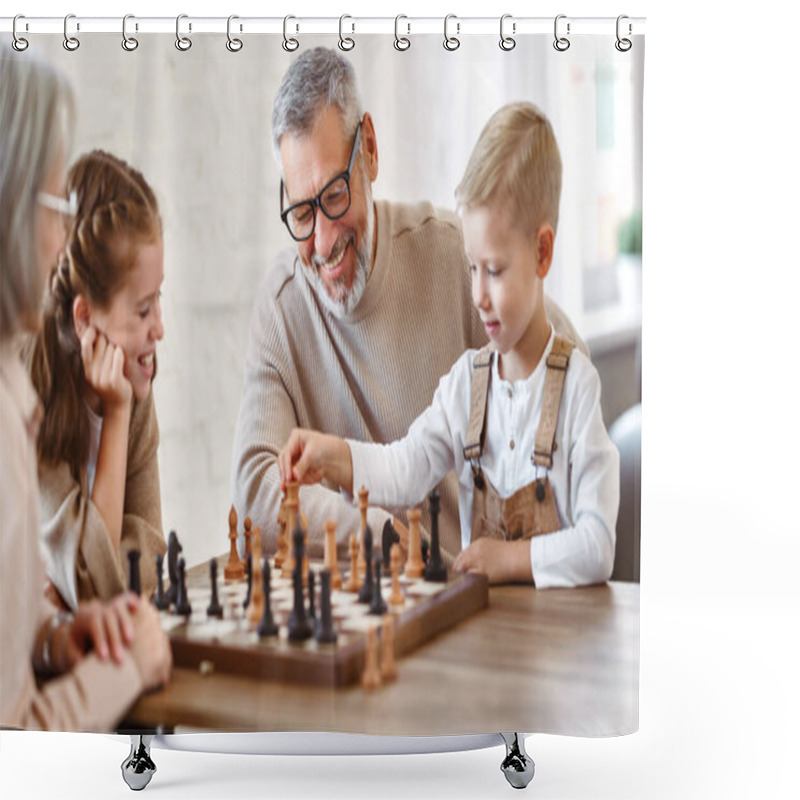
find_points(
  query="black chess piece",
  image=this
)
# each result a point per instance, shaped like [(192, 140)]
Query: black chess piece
[(312, 612), (390, 537), (267, 626), (365, 595), (183, 607), (134, 581), (299, 627), (161, 601), (214, 608), (435, 569), (325, 632), (248, 568), (174, 549), (378, 604)]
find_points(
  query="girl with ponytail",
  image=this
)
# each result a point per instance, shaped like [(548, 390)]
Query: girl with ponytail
[(93, 363)]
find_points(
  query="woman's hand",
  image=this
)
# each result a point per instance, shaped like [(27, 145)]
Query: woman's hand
[(105, 628)]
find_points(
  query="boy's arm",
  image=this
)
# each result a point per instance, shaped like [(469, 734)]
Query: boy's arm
[(501, 561), (582, 553)]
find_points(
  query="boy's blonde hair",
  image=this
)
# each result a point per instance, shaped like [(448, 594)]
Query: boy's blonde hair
[(516, 164)]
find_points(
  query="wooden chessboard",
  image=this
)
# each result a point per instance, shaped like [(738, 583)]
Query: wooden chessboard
[(231, 645)]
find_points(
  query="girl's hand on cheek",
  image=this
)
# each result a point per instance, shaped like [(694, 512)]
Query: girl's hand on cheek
[(104, 369)]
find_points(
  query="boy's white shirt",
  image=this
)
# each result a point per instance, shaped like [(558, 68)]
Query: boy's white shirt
[(584, 476)]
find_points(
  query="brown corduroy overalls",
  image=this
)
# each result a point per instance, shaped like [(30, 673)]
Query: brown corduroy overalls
[(531, 510)]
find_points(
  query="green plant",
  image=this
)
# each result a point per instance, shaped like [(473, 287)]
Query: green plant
[(629, 234)]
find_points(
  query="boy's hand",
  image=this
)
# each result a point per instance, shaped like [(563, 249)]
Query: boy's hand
[(106, 628), (309, 456), (104, 368), (501, 561)]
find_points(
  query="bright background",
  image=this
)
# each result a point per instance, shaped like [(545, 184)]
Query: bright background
[(720, 601)]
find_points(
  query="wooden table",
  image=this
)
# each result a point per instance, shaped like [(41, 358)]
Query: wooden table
[(563, 661)]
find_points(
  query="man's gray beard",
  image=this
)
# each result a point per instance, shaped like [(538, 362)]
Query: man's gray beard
[(346, 300)]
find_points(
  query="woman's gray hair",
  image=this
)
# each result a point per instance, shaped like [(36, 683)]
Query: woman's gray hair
[(317, 79), (36, 120)]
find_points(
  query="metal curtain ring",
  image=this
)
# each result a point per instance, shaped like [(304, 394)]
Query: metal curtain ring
[(561, 43), (401, 42), (290, 44), (507, 42), (233, 44), (623, 45), (19, 43), (129, 43), (451, 42), (346, 43), (71, 43), (183, 43)]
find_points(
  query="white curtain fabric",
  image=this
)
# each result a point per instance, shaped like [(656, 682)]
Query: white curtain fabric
[(197, 124)]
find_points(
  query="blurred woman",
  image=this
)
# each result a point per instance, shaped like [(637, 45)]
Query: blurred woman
[(103, 655)]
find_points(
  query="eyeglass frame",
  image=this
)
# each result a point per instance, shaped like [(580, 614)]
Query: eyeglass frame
[(316, 202), (66, 206)]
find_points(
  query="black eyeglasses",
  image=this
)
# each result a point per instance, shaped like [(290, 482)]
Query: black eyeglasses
[(333, 201)]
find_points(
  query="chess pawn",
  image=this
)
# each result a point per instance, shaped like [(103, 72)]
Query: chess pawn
[(331, 559), (234, 569), (388, 667), (371, 677), (363, 505), (414, 564), (396, 598), (354, 583)]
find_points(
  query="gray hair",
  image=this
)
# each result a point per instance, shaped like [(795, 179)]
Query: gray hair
[(36, 118), (317, 79)]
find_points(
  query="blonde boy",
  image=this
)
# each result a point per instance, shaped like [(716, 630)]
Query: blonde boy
[(519, 421)]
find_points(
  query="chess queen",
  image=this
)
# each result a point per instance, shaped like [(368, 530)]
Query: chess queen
[(93, 363)]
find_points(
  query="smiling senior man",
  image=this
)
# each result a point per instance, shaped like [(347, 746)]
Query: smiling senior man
[(352, 327)]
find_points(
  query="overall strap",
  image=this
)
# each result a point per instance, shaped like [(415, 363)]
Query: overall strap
[(557, 363), (479, 394)]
